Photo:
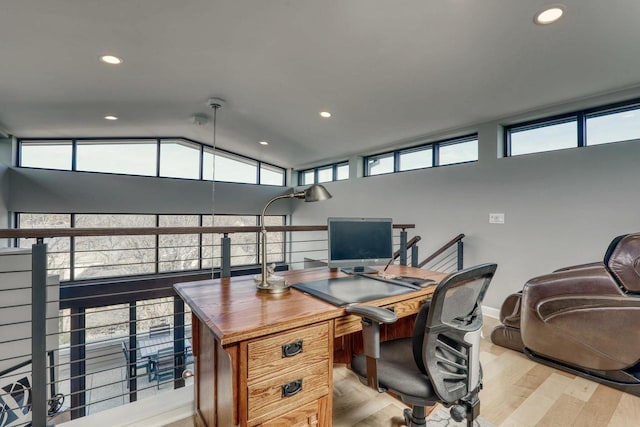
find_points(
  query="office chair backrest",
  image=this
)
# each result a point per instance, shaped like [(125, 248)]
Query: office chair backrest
[(446, 337)]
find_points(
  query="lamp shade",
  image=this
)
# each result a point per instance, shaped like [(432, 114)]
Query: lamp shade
[(316, 193)]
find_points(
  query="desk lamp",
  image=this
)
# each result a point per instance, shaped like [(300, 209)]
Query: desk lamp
[(268, 281)]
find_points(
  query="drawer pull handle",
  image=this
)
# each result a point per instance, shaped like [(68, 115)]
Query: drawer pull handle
[(291, 388), (291, 349)]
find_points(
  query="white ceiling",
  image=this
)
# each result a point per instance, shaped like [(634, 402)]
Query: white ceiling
[(389, 70)]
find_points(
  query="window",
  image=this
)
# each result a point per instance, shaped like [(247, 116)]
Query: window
[(550, 136), (123, 157), (378, 165), (416, 158), (105, 256), (616, 126), (458, 152), (326, 173), (446, 152), (232, 168), (275, 239), (178, 252), (244, 246), (595, 126), (46, 154), (342, 171), (58, 248), (113, 256), (271, 175), (179, 159), (171, 158), (307, 177)]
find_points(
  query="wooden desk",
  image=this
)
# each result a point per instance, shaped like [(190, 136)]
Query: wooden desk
[(239, 337)]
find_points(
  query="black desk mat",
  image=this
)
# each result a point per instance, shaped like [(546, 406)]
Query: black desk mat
[(342, 291)]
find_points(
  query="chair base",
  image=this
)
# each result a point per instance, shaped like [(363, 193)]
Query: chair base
[(627, 381), (416, 417)]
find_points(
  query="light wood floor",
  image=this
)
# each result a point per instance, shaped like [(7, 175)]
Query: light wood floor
[(517, 393)]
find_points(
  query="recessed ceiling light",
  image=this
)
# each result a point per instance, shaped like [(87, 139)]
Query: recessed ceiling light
[(110, 59), (325, 114), (549, 14), (110, 118), (263, 143)]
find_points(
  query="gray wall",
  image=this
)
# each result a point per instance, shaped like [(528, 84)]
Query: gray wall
[(6, 150), (561, 207), (38, 190)]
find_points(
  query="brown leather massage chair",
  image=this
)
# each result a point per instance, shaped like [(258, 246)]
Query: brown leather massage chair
[(583, 319)]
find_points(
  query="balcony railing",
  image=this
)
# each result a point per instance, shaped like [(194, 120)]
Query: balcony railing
[(92, 344)]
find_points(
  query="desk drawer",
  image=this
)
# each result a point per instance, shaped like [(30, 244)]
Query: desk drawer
[(276, 396), (286, 352)]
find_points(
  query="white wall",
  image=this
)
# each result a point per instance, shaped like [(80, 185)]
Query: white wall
[(561, 207)]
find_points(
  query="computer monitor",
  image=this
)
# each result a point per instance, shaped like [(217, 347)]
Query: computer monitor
[(355, 243)]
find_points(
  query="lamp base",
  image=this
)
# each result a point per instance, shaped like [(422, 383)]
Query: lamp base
[(273, 285)]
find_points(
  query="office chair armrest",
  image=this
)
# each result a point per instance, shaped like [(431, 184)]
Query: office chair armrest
[(377, 314), (371, 319)]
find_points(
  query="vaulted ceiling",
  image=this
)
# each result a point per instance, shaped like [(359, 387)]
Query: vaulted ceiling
[(388, 70)]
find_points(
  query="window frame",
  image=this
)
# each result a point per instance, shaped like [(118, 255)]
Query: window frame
[(435, 154), (158, 141), (580, 116), (157, 247), (316, 169)]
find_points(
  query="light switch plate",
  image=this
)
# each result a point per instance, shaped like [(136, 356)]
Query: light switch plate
[(496, 218)]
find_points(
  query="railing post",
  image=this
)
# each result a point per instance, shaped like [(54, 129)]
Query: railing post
[(225, 269), (39, 334), (133, 352), (414, 256), (77, 356), (178, 342), (460, 255), (403, 247)]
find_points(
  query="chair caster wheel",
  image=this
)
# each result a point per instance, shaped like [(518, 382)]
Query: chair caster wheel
[(458, 413)]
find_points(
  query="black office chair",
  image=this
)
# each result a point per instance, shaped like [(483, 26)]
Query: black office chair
[(440, 363)]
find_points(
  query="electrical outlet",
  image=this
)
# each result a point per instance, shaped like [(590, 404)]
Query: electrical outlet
[(496, 218)]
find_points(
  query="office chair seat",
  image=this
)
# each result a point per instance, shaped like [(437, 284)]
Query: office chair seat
[(397, 371)]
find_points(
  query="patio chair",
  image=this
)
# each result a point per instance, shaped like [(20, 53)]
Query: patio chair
[(159, 330), (140, 364), (163, 365)]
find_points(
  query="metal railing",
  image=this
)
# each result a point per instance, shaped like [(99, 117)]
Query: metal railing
[(448, 258), (87, 343)]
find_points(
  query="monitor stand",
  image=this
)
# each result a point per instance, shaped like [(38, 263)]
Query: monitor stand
[(358, 270)]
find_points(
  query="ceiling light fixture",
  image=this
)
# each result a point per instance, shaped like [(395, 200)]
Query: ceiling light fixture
[(110, 59), (325, 114), (110, 117), (550, 14), (263, 143)]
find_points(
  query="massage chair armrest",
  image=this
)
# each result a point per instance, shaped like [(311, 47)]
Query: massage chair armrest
[(592, 281), (510, 310), (578, 266)]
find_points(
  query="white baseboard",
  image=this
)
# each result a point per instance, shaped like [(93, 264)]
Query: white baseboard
[(491, 312), (159, 410)]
